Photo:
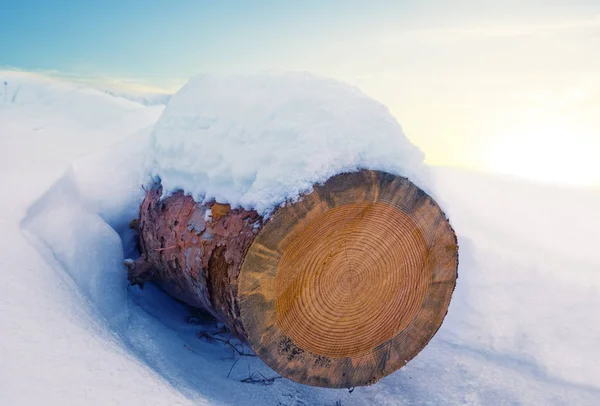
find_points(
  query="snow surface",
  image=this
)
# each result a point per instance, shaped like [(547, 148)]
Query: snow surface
[(258, 140), (523, 326)]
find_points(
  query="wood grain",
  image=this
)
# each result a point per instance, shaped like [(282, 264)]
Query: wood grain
[(350, 283)]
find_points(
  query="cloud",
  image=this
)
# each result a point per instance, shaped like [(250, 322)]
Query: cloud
[(480, 31)]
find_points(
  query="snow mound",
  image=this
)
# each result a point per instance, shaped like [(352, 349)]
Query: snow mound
[(70, 119), (24, 88), (141, 97), (258, 140)]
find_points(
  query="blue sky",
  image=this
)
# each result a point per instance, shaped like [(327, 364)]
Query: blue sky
[(472, 82), (174, 39), (157, 40)]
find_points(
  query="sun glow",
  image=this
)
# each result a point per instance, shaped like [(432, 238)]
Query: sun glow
[(551, 150)]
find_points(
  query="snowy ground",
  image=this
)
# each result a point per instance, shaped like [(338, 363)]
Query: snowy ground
[(523, 326)]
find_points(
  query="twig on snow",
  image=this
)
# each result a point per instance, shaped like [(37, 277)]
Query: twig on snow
[(257, 377)]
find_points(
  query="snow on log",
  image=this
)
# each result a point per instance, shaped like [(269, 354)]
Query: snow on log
[(264, 214)]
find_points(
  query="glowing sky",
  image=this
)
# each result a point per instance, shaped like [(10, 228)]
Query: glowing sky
[(511, 87)]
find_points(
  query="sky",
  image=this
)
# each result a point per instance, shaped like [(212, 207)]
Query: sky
[(510, 87)]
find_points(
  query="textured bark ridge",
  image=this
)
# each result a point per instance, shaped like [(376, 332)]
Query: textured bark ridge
[(194, 252), (338, 290)]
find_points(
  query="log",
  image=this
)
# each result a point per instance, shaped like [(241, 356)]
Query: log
[(338, 289)]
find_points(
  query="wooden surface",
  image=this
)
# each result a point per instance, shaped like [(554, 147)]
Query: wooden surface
[(350, 283), (194, 251)]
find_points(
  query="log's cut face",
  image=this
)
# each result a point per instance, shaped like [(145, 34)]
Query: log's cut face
[(347, 285), (344, 276)]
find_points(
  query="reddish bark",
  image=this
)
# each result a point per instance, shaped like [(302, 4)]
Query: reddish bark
[(182, 240)]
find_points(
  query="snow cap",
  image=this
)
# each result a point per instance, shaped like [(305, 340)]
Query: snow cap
[(258, 140)]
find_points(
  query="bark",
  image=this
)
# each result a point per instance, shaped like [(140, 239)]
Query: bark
[(194, 252)]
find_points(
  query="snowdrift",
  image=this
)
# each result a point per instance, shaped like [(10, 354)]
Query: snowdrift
[(522, 328)]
